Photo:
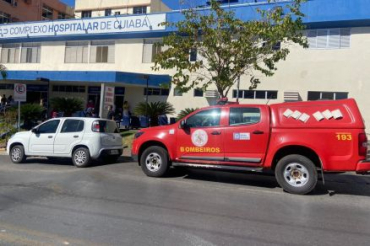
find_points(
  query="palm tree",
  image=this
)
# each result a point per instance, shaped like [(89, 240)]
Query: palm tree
[(3, 71), (153, 110), (185, 112)]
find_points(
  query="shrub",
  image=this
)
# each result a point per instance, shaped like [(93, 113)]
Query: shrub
[(153, 110), (31, 114), (66, 105)]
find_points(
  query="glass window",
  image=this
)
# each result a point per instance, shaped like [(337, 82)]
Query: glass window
[(327, 95), (318, 95), (86, 14), (72, 126), (4, 18), (249, 94), (76, 52), (206, 118), (272, 94), (47, 13), (10, 53), (244, 116), (105, 126), (102, 52), (140, 10), (193, 55), (260, 94), (61, 16), (108, 12), (151, 48), (341, 95), (49, 127), (30, 53), (198, 93), (313, 95)]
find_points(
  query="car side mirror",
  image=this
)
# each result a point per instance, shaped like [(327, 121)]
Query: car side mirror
[(183, 125), (35, 130)]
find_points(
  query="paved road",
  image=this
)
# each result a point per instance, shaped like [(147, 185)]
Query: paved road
[(43, 203)]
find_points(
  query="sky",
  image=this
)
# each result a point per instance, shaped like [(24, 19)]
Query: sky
[(173, 4)]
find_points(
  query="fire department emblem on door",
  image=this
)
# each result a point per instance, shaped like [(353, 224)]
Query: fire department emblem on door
[(199, 138)]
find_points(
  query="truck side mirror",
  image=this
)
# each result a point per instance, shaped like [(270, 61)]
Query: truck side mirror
[(35, 130), (183, 125)]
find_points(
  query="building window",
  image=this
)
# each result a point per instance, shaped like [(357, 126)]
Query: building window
[(151, 48), (10, 53), (248, 94), (4, 18), (329, 38), (86, 14), (198, 93), (30, 53), (193, 54), (108, 12), (117, 13), (47, 13), (177, 93), (156, 92), (61, 16), (6, 86), (140, 10), (76, 52), (318, 95), (69, 88), (102, 52)]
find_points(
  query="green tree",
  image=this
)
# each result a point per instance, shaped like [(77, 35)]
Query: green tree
[(3, 71), (185, 112), (229, 47), (153, 110)]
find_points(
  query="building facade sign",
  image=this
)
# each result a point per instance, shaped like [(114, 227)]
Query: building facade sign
[(116, 24)]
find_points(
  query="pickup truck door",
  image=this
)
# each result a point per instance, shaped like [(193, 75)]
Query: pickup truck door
[(246, 138), (202, 139), (70, 135), (42, 139)]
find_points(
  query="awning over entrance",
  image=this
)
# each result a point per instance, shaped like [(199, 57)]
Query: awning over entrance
[(125, 78)]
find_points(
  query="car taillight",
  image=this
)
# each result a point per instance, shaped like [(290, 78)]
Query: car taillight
[(362, 144), (96, 127)]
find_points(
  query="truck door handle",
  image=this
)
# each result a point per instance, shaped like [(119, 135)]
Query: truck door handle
[(216, 133), (258, 132), (75, 136), (50, 136)]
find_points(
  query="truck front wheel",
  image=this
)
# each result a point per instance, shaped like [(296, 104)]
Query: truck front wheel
[(154, 161), (296, 174)]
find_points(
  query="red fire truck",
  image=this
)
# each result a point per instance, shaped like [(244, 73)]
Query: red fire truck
[(295, 140)]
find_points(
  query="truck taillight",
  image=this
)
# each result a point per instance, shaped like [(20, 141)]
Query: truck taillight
[(362, 144), (96, 127)]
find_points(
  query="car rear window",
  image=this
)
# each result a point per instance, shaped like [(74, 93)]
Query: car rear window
[(105, 126)]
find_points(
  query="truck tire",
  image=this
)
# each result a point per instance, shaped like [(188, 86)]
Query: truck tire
[(154, 161), (17, 154), (81, 157), (296, 174)]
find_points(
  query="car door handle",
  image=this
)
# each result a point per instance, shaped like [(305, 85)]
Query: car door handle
[(50, 136), (75, 136), (258, 132), (216, 133)]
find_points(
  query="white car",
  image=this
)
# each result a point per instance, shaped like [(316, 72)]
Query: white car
[(81, 139)]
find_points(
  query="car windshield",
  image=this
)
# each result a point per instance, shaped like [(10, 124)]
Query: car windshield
[(107, 126)]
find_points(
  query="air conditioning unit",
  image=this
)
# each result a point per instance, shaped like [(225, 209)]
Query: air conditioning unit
[(291, 96), (211, 94)]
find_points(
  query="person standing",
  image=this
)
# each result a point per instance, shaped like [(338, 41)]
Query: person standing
[(3, 100), (110, 114)]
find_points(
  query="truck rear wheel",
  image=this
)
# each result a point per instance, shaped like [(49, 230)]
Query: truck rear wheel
[(154, 161), (296, 174)]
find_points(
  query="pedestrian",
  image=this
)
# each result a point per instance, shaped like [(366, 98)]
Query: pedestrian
[(10, 100), (110, 115), (3, 100)]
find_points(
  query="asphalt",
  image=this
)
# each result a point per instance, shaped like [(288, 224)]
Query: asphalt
[(54, 203)]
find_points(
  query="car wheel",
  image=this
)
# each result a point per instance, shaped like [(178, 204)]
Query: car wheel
[(154, 161), (81, 157), (17, 154), (296, 174)]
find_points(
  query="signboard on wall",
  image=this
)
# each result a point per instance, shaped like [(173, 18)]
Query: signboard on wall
[(109, 96), (116, 24), (20, 93)]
